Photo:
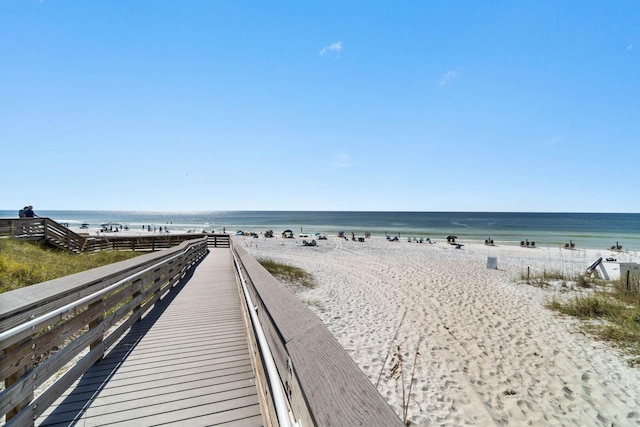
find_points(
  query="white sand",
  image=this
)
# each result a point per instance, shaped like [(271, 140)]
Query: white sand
[(490, 353)]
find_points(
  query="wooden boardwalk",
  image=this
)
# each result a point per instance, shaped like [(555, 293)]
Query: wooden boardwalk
[(186, 363)]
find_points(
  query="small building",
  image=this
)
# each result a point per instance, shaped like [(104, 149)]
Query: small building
[(614, 270)]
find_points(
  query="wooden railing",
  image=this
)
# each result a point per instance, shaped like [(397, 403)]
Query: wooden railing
[(219, 240), (323, 384), (162, 241), (45, 326), (61, 237), (48, 230)]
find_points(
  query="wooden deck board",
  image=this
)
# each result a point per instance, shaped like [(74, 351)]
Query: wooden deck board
[(187, 363)]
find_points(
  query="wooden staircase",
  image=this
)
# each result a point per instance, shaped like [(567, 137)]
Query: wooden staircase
[(58, 236), (45, 229)]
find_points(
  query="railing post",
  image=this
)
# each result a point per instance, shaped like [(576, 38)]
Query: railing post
[(137, 310), (15, 377), (98, 305)]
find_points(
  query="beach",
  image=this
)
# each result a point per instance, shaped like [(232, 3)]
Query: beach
[(480, 345)]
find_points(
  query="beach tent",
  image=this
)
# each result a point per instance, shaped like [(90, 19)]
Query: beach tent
[(287, 234)]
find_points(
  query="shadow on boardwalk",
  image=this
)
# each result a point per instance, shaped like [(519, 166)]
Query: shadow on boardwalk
[(70, 410)]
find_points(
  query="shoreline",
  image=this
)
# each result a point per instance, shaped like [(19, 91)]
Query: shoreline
[(586, 230), (403, 239)]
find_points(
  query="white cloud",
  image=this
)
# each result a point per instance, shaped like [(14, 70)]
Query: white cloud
[(341, 161), (449, 75), (333, 48)]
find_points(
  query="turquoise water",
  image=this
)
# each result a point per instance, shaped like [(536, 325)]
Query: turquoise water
[(586, 230)]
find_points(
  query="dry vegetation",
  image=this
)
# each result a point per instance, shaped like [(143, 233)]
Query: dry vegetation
[(288, 273), (25, 263), (610, 310)]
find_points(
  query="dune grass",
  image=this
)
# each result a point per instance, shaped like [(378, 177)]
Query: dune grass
[(591, 307), (288, 273), (610, 311), (27, 263), (606, 318), (544, 279)]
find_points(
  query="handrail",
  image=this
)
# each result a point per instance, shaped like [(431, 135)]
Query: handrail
[(279, 399), (60, 236), (312, 379), (323, 385), (71, 316), (50, 315)]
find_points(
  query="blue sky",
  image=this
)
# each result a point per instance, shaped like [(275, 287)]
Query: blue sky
[(358, 105)]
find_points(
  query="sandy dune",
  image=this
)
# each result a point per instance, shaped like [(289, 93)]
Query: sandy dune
[(489, 352)]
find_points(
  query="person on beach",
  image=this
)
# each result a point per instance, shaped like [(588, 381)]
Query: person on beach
[(22, 211), (28, 212)]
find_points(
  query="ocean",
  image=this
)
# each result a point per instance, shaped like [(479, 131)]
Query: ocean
[(586, 230)]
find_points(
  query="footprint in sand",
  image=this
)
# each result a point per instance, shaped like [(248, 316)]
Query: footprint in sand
[(568, 393), (524, 406)]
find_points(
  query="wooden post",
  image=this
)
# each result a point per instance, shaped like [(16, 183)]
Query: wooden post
[(15, 377), (96, 322), (527, 273), (137, 310), (628, 273)]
